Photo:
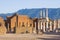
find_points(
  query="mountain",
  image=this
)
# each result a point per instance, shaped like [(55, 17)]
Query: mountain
[(5, 15), (53, 13)]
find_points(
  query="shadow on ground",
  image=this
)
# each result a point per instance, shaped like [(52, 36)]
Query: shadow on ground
[(52, 33), (55, 37)]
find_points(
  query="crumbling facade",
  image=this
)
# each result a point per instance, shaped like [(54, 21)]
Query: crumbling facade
[(20, 24), (2, 26)]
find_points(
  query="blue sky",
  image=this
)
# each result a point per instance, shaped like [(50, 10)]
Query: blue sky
[(9, 6)]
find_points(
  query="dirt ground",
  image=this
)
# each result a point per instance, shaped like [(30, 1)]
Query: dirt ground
[(29, 37)]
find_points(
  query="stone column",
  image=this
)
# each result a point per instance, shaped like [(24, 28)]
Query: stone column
[(47, 19), (34, 28), (41, 25), (44, 27), (40, 31), (8, 27), (47, 26), (55, 26), (51, 28)]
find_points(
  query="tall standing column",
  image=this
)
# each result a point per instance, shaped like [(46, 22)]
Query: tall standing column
[(44, 14), (46, 19), (41, 15)]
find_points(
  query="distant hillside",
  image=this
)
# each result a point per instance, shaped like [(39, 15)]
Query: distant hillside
[(54, 13), (5, 15)]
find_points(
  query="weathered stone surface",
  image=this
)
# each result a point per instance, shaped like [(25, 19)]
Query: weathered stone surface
[(20, 24), (2, 26)]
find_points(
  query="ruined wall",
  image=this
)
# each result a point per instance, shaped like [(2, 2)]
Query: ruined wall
[(25, 25), (2, 26)]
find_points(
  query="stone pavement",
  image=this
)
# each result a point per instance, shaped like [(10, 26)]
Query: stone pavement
[(29, 37)]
